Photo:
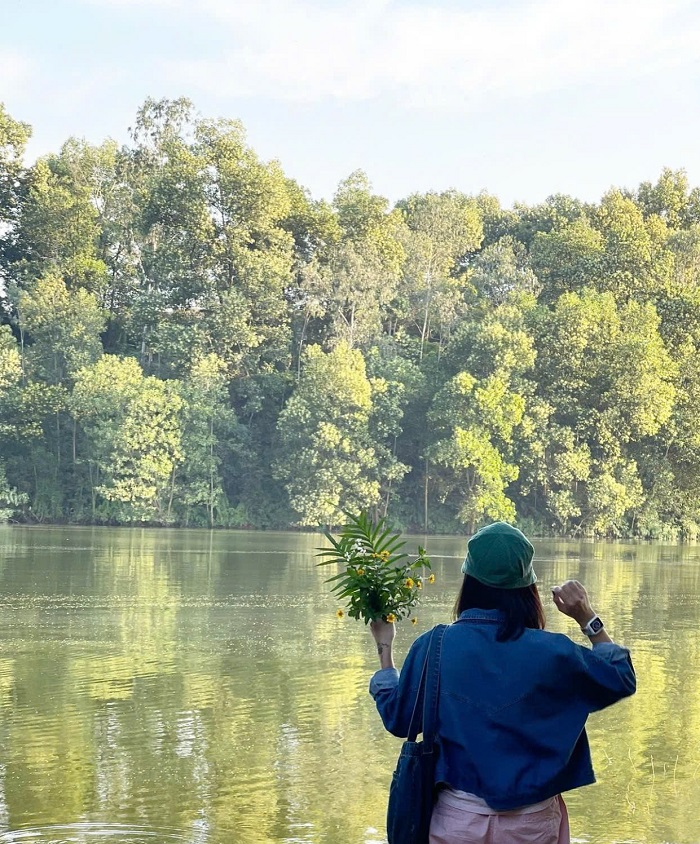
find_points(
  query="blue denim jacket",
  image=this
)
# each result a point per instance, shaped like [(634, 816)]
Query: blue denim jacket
[(511, 715)]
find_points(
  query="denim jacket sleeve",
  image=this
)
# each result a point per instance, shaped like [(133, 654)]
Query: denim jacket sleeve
[(604, 674), (395, 694)]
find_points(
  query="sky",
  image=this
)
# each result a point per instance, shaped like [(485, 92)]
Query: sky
[(521, 98)]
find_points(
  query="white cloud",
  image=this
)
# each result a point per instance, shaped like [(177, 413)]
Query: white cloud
[(426, 54)]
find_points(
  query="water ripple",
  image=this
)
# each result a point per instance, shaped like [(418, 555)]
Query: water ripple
[(77, 833)]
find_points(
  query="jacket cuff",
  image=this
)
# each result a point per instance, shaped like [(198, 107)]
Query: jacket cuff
[(385, 678), (611, 651)]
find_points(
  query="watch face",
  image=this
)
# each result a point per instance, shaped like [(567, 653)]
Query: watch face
[(596, 625)]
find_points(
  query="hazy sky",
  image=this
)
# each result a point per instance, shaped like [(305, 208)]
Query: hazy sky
[(523, 98)]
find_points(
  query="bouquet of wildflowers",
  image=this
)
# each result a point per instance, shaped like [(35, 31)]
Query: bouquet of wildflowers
[(378, 580)]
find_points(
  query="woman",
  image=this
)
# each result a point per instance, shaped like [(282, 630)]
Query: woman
[(513, 698)]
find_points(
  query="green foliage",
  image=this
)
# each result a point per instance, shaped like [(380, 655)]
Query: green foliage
[(441, 230), (133, 437), (10, 361), (568, 258), (11, 501), (13, 140), (190, 338), (207, 424), (472, 419), (62, 328), (502, 271), (327, 460), (379, 580), (59, 226), (671, 199)]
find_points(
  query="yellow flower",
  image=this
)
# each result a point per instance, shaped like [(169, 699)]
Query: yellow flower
[(360, 572), (419, 584), (390, 617), (414, 621), (409, 583), (431, 578), (340, 613), (385, 555)]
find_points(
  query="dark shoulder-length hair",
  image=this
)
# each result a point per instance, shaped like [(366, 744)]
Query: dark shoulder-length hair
[(521, 608)]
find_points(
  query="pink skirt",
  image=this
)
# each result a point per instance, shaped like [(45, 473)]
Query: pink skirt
[(462, 819)]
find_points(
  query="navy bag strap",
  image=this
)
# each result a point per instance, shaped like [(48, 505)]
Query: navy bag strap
[(428, 686)]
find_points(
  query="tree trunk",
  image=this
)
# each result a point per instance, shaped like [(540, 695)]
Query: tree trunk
[(386, 500), (211, 473), (172, 493), (426, 319), (301, 346), (58, 441), (92, 491), (21, 353), (352, 326), (424, 329)]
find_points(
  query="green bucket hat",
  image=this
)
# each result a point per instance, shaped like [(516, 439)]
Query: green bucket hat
[(500, 555)]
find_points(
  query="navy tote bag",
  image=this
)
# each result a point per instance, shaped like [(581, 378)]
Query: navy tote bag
[(412, 789)]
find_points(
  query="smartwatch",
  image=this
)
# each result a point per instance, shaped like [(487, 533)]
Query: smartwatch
[(594, 626)]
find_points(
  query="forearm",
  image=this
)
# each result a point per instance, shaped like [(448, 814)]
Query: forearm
[(386, 655), (582, 620)]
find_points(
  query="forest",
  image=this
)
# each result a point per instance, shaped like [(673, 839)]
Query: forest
[(189, 338)]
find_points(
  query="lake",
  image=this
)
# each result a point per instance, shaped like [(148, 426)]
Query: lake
[(196, 686)]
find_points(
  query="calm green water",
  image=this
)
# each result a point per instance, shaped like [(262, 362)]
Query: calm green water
[(197, 687)]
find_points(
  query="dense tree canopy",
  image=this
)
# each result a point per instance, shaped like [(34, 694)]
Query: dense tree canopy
[(189, 338)]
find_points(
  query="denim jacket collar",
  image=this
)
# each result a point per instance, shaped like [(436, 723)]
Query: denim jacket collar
[(478, 615)]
